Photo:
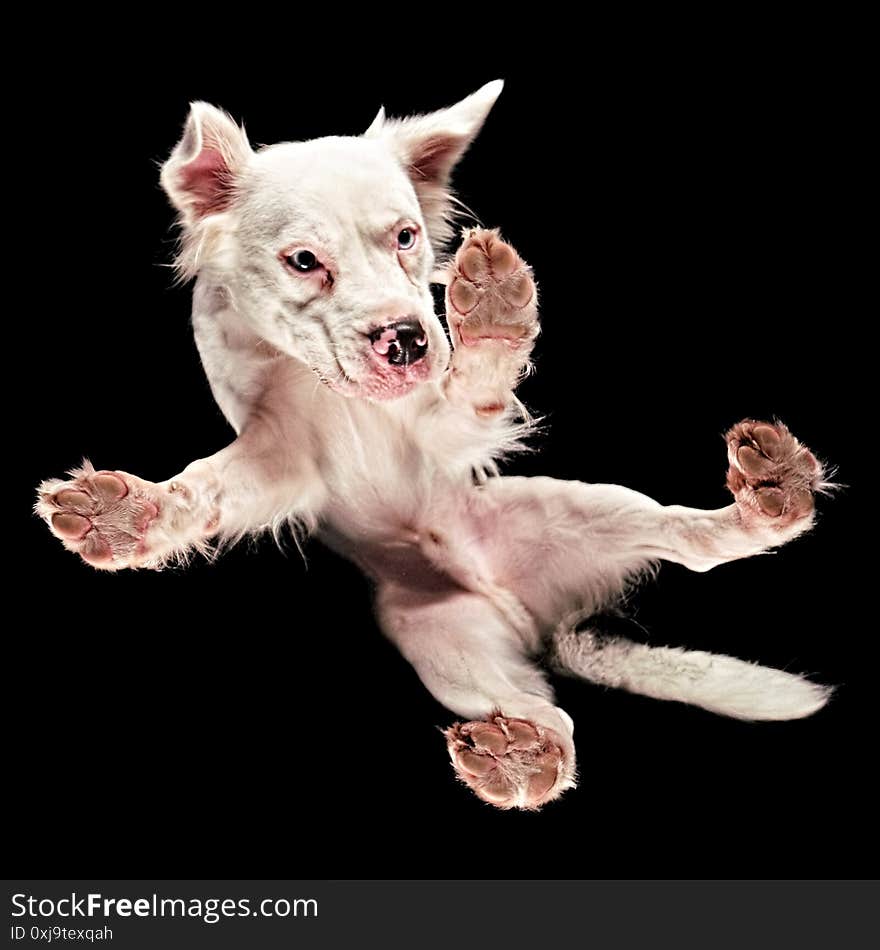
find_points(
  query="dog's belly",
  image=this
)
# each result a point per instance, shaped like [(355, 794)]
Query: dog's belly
[(402, 562), (443, 548), (420, 538)]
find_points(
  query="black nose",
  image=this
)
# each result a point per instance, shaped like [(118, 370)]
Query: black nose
[(401, 343)]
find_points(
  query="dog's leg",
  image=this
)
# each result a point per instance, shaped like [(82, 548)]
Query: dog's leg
[(491, 309), (568, 549), (773, 479), (548, 535), (516, 750), (115, 520)]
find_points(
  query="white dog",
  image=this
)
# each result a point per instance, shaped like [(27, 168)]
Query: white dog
[(358, 421)]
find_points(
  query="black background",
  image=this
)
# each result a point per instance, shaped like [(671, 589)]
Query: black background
[(690, 210)]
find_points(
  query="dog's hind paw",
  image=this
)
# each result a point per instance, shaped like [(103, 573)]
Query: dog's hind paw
[(491, 294), (772, 476), (105, 517), (509, 763)]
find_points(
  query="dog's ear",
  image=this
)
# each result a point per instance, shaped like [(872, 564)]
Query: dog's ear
[(376, 125), (200, 175), (429, 146)]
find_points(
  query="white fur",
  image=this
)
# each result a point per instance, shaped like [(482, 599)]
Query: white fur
[(721, 684), (473, 575)]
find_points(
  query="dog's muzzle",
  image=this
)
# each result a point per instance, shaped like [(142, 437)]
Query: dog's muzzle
[(402, 344)]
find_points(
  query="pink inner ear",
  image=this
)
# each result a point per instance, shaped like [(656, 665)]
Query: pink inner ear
[(434, 157), (207, 179)]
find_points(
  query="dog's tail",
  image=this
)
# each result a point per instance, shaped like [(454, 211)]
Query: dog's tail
[(721, 684)]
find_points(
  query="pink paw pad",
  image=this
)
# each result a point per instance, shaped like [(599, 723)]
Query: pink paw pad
[(771, 474), (102, 516), (510, 763), (491, 293)]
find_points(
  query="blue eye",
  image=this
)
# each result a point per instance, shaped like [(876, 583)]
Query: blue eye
[(406, 239), (303, 261)]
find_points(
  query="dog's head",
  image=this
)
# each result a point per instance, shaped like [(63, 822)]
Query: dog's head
[(326, 247)]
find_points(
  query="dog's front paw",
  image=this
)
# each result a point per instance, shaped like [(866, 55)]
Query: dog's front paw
[(772, 476), (491, 294), (105, 517), (510, 763)]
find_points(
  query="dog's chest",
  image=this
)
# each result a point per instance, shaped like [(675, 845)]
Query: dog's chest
[(393, 478), (384, 474)]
